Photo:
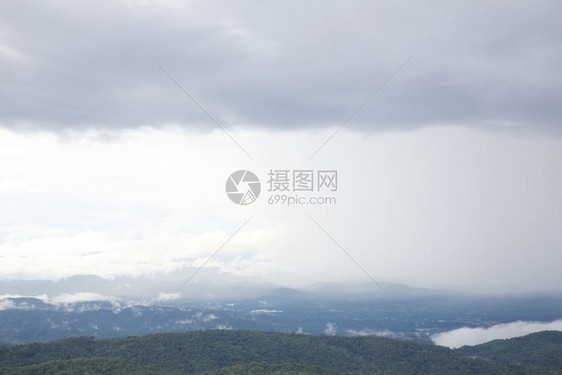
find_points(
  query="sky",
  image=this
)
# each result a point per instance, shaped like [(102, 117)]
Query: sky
[(120, 122)]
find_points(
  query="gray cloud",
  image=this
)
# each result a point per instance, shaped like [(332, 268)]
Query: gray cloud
[(285, 65)]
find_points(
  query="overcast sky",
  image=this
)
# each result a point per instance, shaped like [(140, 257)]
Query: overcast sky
[(450, 177)]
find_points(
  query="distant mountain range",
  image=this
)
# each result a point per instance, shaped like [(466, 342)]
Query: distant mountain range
[(41, 311), (246, 352), (208, 285)]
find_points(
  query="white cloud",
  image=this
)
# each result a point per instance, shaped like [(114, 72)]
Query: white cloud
[(184, 321), (13, 186), (474, 336), (168, 296), (150, 201), (209, 317), (224, 327), (265, 311), (374, 332), (6, 304), (61, 300), (67, 298), (330, 329)]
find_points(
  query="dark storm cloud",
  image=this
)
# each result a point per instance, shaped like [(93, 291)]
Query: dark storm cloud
[(289, 65)]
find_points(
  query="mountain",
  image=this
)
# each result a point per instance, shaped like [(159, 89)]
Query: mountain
[(268, 368), (250, 352), (537, 349), (280, 295), (362, 290), (86, 366), (209, 285)]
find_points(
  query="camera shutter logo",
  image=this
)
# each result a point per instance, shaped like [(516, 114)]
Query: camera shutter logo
[(243, 187)]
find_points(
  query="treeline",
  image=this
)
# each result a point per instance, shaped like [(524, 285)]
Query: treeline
[(85, 366), (533, 351), (245, 352)]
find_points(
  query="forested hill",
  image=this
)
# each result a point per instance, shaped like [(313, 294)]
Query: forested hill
[(537, 349), (246, 352)]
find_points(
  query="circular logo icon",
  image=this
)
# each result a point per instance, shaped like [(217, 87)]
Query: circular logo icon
[(243, 187)]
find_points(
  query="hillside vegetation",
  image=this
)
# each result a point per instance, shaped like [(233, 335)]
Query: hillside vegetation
[(537, 349), (247, 352)]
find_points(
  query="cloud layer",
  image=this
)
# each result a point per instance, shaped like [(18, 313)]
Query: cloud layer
[(441, 207), (493, 65), (474, 336)]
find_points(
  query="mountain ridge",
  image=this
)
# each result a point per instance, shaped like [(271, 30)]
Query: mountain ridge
[(234, 352)]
